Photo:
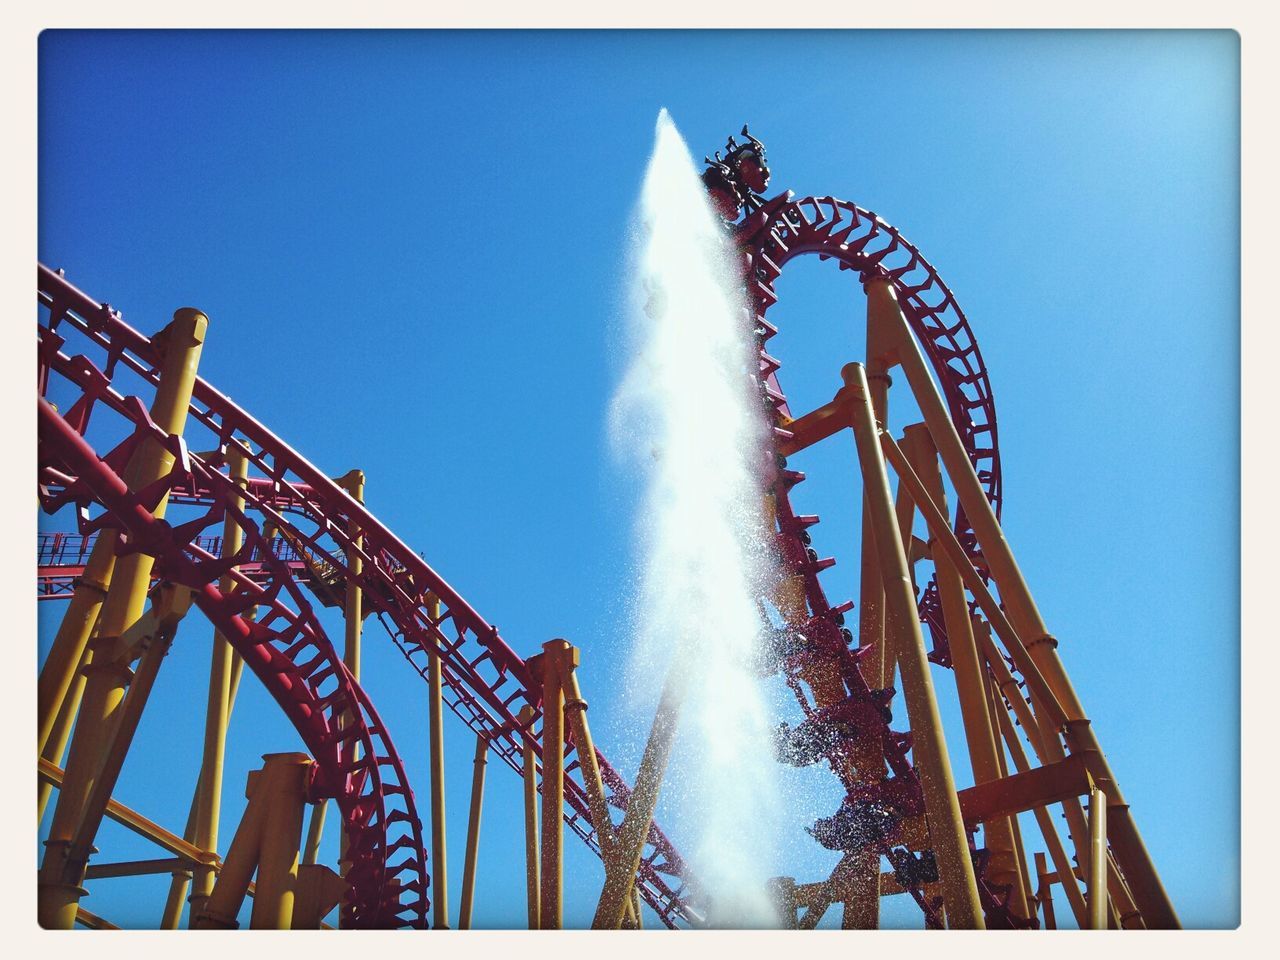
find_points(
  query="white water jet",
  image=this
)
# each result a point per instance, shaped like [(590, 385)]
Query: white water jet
[(686, 410)]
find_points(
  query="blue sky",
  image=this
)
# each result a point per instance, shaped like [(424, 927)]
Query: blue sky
[(411, 249)]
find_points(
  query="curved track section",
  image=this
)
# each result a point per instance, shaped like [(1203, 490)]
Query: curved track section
[(289, 652), (486, 681), (859, 240), (782, 229)]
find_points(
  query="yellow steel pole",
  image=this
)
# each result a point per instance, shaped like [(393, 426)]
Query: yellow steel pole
[(319, 890), (435, 718), (644, 799), (353, 483), (555, 661), (181, 882), (862, 910), (56, 745), (315, 833), (286, 778), (969, 672), (1045, 894), (575, 708), (995, 549), (871, 626), (1044, 736), (218, 710), (1127, 915), (61, 667), (531, 853), (1097, 859), (223, 906), (152, 636), (904, 511), (1050, 833), (473, 833), (179, 345), (871, 629), (994, 704), (955, 868), (1126, 842)]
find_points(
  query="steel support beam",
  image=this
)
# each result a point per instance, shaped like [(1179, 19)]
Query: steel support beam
[(473, 832), (532, 854), (59, 891), (218, 709), (642, 802), (435, 734), (960, 889)]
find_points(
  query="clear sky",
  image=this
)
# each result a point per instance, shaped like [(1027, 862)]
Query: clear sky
[(411, 248)]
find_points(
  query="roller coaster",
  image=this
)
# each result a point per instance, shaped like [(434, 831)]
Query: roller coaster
[(173, 497)]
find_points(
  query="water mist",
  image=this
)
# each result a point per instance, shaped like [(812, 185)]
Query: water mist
[(686, 410)]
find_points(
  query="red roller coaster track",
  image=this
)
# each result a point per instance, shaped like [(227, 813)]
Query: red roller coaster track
[(486, 681), (770, 237), (286, 646)]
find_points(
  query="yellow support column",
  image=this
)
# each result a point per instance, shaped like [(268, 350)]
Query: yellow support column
[(56, 745), (1097, 859), (531, 851), (994, 703), (218, 710), (1126, 842), (151, 638), (634, 829), (61, 666), (862, 910), (319, 890), (553, 665), (871, 627), (315, 833), (904, 511), (435, 720), (223, 906), (286, 778), (970, 674), (473, 833), (181, 882), (353, 615), (575, 708), (179, 346), (353, 599), (1045, 892), (955, 868)]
